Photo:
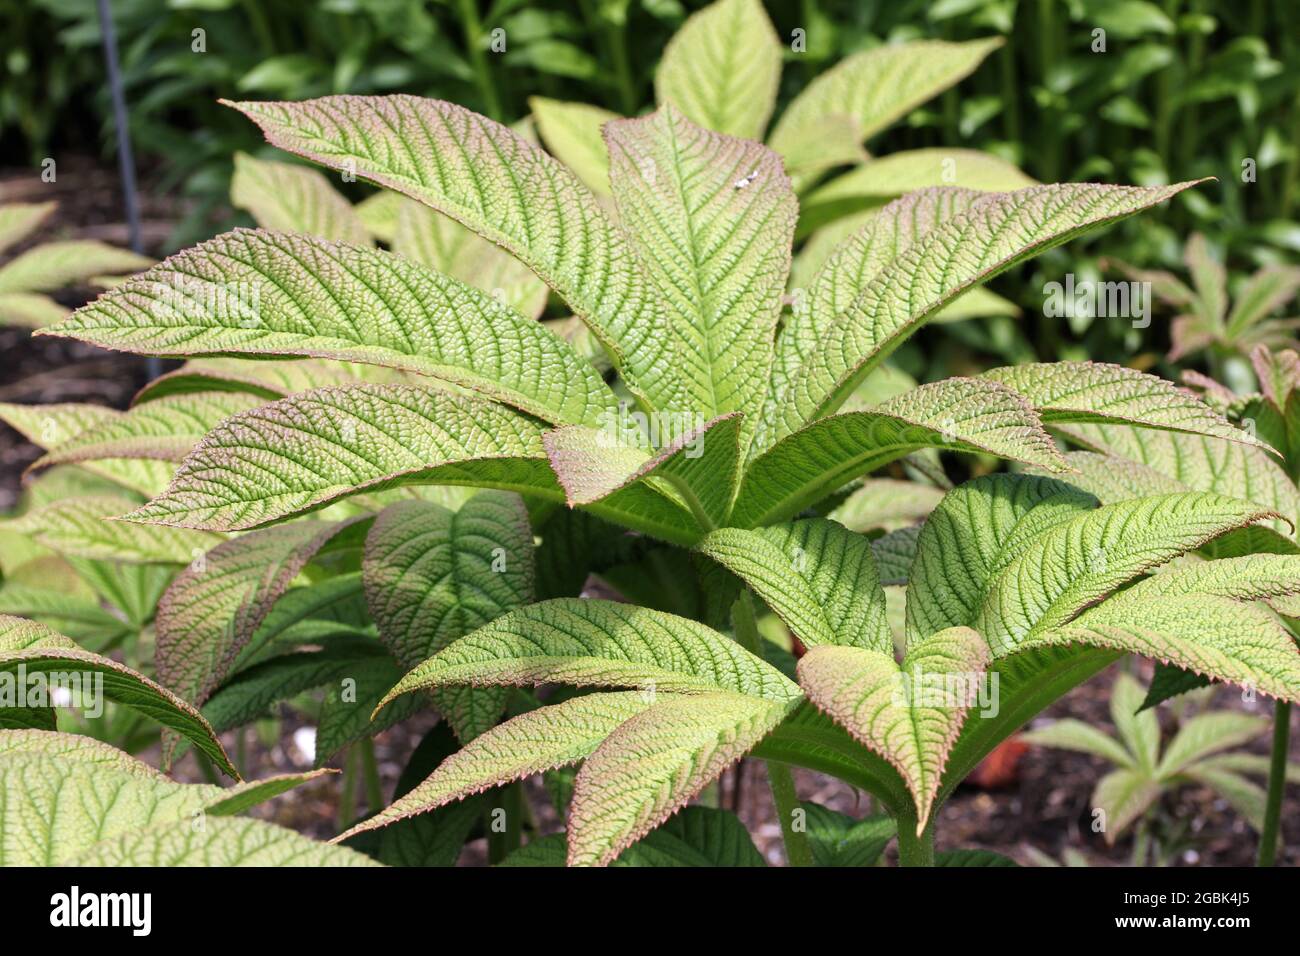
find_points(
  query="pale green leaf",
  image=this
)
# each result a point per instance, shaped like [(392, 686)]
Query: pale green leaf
[(713, 219), (874, 88), (1207, 734), (257, 292), (288, 197), (960, 414), (1124, 795), (87, 528), (817, 576), (722, 68), (30, 310), (571, 131), (49, 267), (886, 504), (1070, 734), (19, 220), (509, 191), (603, 644), (655, 762), (910, 715)]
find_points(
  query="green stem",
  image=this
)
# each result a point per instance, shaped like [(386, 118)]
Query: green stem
[(692, 501), (241, 751), (915, 849), (745, 624), (1268, 839), (1141, 844), (798, 852), (501, 843), (348, 795), (478, 57), (374, 790)]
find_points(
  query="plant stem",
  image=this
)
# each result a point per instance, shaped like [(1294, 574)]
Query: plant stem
[(1276, 784), (478, 57), (374, 790), (501, 843), (348, 795), (915, 849), (798, 852), (1141, 843)]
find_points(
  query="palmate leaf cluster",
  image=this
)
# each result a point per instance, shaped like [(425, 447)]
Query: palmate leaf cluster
[(324, 499)]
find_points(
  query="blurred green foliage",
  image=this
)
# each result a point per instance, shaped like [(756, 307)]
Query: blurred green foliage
[(1181, 89)]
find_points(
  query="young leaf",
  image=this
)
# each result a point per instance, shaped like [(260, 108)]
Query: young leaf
[(18, 220), (213, 607), (818, 577), (874, 88), (713, 219), (509, 191), (722, 68), (53, 265), (267, 293), (571, 131), (894, 710), (288, 197), (306, 451)]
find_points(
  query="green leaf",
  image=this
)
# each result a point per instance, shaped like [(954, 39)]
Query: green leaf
[(599, 643), (971, 537), (1078, 736), (894, 554), (882, 179), (509, 191), (886, 504), (817, 576), (837, 839), (973, 858), (254, 292), (874, 89), (433, 575), (265, 379), (306, 451), (1080, 561), (939, 266), (347, 711), (1206, 634), (686, 485), (910, 715), (445, 246), (1138, 729), (53, 265), (31, 648), (220, 842), (1205, 464), (1091, 392), (18, 220), (571, 131), (722, 68), (30, 310), (1124, 795), (214, 606), (1207, 734), (165, 429), (713, 218), (288, 197), (538, 740), (961, 414), (655, 762), (87, 527)]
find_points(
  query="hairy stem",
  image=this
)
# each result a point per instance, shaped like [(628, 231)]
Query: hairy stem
[(1268, 839), (348, 795), (915, 849)]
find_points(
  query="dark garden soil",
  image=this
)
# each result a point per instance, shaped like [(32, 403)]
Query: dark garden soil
[(1042, 800)]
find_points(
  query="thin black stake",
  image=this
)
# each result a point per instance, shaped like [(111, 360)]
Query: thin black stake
[(125, 161)]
